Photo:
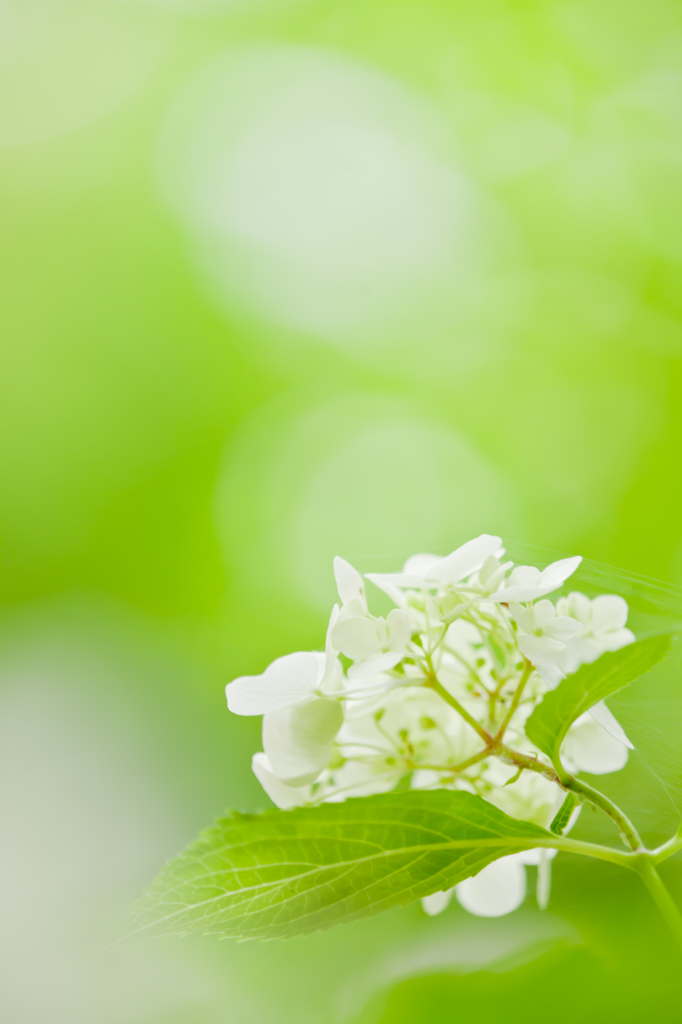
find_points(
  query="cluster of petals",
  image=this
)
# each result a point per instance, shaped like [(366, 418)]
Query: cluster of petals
[(361, 717)]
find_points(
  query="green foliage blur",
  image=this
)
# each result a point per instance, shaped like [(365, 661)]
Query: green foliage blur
[(284, 279)]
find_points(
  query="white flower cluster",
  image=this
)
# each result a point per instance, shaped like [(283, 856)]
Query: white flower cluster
[(471, 646)]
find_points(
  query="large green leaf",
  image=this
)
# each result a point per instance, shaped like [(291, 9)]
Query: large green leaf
[(576, 694), (285, 873)]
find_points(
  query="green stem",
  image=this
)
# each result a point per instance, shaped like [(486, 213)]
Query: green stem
[(529, 762), (667, 849), (528, 668), (628, 831), (662, 897), (480, 756), (454, 703), (563, 843), (494, 746)]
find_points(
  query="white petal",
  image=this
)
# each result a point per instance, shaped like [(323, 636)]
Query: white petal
[(298, 741), (357, 778), (551, 674), (615, 640), (520, 587), (558, 572), (281, 795), (285, 682), (521, 593), (356, 637), (522, 617), (330, 660), (563, 628), (576, 605), (590, 748), (373, 666), (540, 650), (436, 902), (581, 650), (496, 890), (544, 613), (386, 580), (349, 582), (609, 612), (544, 883), (399, 630), (525, 576), (607, 720), (418, 565), (383, 582), (465, 560), (489, 569)]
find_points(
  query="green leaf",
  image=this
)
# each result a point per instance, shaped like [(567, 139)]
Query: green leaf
[(563, 815), (285, 873), (576, 694)]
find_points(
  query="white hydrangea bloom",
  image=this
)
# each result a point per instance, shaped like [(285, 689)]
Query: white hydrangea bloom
[(588, 747), (602, 623), (375, 645), (423, 572), (543, 636), (471, 647), (280, 794), (349, 583), (298, 741), (527, 583), (288, 681)]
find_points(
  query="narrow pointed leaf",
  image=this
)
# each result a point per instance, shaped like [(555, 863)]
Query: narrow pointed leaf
[(553, 717), (563, 815), (285, 873)]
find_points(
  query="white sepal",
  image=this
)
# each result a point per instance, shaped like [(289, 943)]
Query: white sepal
[(527, 583), (282, 796), (298, 741), (464, 561), (588, 747), (608, 721), (496, 890), (436, 902), (287, 681), (349, 582)]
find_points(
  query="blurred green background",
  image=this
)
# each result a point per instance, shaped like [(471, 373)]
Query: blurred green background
[(283, 279)]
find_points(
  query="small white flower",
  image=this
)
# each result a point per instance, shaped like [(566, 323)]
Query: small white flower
[(496, 890), (327, 737), (603, 627), (426, 572), (489, 577), (375, 645), (589, 747), (527, 583), (298, 740), (543, 636), (379, 773), (499, 888), (608, 721), (281, 795), (287, 681), (437, 902), (349, 583)]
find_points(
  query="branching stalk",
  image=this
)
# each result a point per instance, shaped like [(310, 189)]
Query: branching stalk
[(527, 669), (667, 849), (627, 830), (639, 858), (662, 897), (453, 702), (494, 746)]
